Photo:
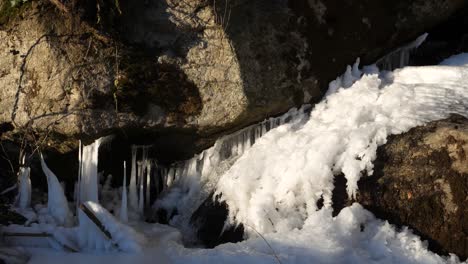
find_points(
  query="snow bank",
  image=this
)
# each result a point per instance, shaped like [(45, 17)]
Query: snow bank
[(275, 185), (119, 237), (456, 60), (354, 236)]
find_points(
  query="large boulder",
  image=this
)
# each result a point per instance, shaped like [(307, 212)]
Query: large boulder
[(179, 74), (421, 181)]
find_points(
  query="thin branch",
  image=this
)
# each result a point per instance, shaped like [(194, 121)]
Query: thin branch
[(268, 244), (7, 157), (9, 189), (23, 71), (228, 19)]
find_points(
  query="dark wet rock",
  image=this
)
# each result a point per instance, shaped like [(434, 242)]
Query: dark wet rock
[(209, 221), (421, 181)]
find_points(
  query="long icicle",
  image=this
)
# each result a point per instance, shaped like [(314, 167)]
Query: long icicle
[(89, 179), (133, 196), (24, 195), (80, 171), (141, 169), (148, 184), (124, 207)]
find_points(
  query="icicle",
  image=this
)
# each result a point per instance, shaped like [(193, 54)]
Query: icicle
[(170, 177), (24, 190), (141, 202), (89, 174), (140, 186), (401, 56), (148, 183), (139, 175), (133, 196), (123, 206), (80, 169), (107, 184), (57, 203), (190, 182)]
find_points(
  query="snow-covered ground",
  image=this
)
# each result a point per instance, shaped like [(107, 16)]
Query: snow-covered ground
[(273, 186)]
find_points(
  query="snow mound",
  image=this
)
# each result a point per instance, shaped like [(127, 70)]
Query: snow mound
[(354, 236), (114, 236), (275, 185), (456, 60)]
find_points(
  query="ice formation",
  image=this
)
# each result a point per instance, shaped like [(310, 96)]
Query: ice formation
[(24, 188), (124, 205), (190, 182), (141, 172), (132, 192), (89, 175), (401, 56), (272, 174), (77, 194), (57, 204), (140, 178), (275, 185)]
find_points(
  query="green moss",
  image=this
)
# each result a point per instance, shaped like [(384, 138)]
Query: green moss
[(8, 12)]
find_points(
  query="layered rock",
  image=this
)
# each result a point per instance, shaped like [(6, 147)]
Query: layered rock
[(170, 71)]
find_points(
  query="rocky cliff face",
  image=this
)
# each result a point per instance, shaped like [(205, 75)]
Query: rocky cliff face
[(179, 74)]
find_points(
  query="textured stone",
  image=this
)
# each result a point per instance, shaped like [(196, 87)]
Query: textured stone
[(421, 181)]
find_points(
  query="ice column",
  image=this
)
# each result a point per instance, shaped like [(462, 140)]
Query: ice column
[(132, 192), (124, 207), (24, 191), (89, 173)]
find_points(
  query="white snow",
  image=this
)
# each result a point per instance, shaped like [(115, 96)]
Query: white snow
[(354, 236), (275, 185), (456, 60)]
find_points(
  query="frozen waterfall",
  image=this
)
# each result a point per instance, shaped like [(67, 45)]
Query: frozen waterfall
[(89, 173), (24, 189)]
